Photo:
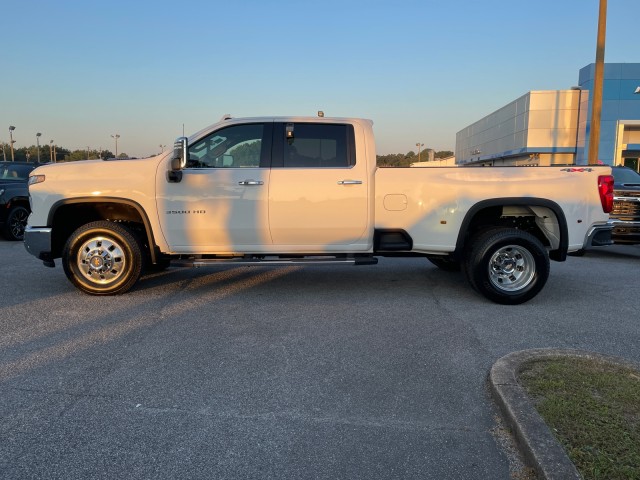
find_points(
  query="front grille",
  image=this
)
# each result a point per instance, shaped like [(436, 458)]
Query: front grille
[(630, 193), (628, 211), (626, 205)]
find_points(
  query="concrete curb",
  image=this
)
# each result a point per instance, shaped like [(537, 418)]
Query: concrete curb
[(541, 449)]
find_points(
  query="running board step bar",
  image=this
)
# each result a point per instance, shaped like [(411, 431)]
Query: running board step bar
[(274, 261)]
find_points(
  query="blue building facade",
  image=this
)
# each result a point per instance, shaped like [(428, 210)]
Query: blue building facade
[(620, 120)]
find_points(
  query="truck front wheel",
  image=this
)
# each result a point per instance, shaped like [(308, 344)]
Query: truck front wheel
[(102, 258), (507, 265)]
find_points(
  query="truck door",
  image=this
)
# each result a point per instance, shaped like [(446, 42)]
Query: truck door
[(318, 190), (220, 204)]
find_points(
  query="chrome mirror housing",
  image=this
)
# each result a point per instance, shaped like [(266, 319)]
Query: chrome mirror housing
[(180, 154)]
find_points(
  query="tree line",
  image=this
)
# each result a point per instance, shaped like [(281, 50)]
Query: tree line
[(30, 154)]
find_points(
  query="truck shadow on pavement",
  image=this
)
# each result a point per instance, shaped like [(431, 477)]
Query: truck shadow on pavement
[(58, 330)]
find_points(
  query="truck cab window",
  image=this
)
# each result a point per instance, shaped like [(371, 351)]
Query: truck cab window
[(319, 146), (237, 146)]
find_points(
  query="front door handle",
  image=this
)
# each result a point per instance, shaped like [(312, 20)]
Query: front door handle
[(251, 182), (350, 182)]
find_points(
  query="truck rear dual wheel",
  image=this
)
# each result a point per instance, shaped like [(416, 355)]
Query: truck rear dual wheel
[(507, 266), (102, 258)]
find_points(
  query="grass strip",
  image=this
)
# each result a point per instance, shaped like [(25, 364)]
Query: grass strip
[(593, 408)]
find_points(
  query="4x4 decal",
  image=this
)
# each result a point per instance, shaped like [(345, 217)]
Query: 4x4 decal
[(579, 169)]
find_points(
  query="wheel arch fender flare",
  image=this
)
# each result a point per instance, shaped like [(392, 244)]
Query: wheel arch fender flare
[(559, 255), (110, 200)]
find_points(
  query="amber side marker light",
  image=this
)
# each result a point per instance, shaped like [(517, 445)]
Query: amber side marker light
[(33, 179)]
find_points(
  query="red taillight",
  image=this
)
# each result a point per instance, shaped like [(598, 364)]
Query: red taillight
[(605, 188)]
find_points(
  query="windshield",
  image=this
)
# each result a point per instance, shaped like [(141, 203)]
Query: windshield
[(10, 171), (625, 175)]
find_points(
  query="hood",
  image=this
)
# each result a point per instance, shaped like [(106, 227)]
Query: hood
[(625, 179), (626, 187)]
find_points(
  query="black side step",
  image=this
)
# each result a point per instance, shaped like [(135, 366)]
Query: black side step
[(275, 261)]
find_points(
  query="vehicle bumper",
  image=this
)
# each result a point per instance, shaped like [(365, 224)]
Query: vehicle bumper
[(625, 231), (37, 241), (599, 235)]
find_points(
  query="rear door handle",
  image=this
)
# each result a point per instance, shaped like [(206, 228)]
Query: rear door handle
[(350, 182), (251, 182)]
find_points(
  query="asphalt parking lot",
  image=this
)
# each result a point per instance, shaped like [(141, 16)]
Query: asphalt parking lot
[(376, 372)]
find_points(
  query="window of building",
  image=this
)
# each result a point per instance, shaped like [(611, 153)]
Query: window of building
[(631, 163)]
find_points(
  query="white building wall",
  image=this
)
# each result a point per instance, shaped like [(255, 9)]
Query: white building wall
[(553, 119), (539, 122)]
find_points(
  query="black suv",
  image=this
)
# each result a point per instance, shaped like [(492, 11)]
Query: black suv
[(14, 198), (626, 206)]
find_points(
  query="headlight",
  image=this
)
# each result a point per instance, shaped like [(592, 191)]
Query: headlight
[(1, 191), (33, 179)]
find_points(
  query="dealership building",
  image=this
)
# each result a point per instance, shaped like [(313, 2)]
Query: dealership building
[(552, 127)]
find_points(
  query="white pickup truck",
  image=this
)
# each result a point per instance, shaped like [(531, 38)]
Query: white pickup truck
[(306, 190)]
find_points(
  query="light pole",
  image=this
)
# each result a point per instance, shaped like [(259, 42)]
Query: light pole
[(419, 145), (11, 129), (116, 136), (51, 151), (598, 81), (162, 147), (38, 135), (4, 155)]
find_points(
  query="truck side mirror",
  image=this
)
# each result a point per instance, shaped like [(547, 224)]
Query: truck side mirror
[(180, 154), (178, 160)]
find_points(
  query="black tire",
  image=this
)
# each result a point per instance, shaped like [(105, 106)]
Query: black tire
[(16, 223), (102, 258), (445, 263), (507, 266)]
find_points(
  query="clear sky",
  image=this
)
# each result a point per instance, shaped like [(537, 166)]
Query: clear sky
[(80, 71)]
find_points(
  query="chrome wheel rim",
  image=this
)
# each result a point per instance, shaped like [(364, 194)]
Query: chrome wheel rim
[(511, 268), (101, 260)]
